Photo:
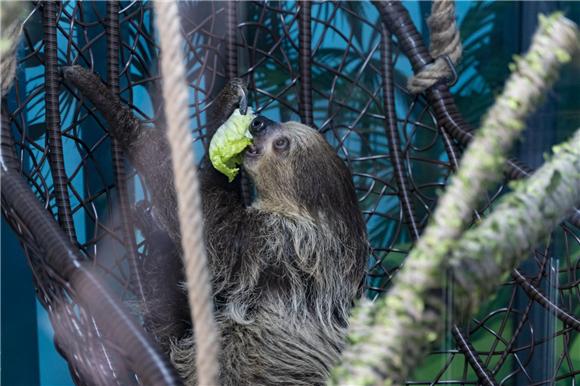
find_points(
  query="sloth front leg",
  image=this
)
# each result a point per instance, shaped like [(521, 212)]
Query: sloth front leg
[(165, 307), (146, 148)]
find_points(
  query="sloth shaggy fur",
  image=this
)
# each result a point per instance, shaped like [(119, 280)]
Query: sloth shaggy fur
[(285, 270)]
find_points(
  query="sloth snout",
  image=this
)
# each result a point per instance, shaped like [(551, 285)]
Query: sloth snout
[(260, 124)]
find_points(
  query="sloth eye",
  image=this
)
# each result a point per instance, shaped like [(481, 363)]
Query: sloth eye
[(281, 143)]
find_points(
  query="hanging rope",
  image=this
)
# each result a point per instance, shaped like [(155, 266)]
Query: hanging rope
[(445, 47), (187, 189)]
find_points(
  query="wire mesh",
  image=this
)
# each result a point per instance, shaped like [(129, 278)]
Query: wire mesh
[(335, 65)]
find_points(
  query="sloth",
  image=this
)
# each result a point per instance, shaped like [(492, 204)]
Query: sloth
[(285, 269)]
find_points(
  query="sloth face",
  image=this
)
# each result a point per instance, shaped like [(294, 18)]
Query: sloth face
[(292, 165), (272, 140), (277, 146)]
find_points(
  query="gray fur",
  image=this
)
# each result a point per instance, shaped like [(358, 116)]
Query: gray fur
[(285, 270), (286, 330)]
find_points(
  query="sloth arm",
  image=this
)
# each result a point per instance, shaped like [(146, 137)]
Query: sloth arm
[(229, 226), (224, 213), (148, 151), (146, 148)]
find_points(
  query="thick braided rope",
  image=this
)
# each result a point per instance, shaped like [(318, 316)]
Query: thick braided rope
[(445, 40), (187, 189)]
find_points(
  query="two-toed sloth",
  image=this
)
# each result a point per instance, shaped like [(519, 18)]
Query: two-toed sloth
[(285, 270)]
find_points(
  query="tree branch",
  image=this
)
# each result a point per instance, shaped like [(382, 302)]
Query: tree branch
[(486, 255), (390, 338)]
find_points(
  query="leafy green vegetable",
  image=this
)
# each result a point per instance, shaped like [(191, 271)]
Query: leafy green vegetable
[(228, 143)]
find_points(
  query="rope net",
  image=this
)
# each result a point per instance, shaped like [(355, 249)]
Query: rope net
[(295, 72)]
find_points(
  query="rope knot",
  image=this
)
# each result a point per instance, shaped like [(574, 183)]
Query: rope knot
[(445, 47)]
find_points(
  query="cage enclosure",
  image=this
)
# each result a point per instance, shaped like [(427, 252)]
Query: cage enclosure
[(70, 195)]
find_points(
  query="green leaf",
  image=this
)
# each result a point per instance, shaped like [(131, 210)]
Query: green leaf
[(229, 142)]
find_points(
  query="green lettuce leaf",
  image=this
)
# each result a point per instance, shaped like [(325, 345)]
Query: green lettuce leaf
[(228, 143)]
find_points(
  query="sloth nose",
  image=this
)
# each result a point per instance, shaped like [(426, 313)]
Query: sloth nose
[(259, 124)]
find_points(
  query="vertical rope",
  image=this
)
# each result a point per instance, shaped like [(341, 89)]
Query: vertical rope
[(113, 44), (175, 94), (54, 135), (305, 62)]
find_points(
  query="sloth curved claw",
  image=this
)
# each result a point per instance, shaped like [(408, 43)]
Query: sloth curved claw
[(243, 101)]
